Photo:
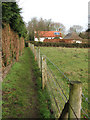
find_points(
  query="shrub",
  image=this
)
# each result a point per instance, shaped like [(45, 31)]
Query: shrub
[(61, 44)]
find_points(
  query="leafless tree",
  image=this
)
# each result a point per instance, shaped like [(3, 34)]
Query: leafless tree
[(43, 25), (76, 28)]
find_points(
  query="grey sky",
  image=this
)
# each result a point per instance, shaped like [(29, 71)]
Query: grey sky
[(68, 12)]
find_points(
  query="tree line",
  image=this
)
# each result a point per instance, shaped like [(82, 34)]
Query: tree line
[(11, 15), (43, 25), (48, 25)]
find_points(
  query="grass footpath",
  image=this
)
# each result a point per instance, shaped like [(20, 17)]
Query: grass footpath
[(22, 93)]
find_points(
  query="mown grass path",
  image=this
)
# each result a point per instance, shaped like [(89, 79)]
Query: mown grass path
[(20, 99)]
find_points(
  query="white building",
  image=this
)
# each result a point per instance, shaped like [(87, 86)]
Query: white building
[(42, 35)]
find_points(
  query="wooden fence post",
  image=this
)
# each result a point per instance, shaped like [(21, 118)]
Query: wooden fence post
[(39, 57), (32, 47), (35, 53), (75, 100), (28, 44), (44, 72), (41, 63)]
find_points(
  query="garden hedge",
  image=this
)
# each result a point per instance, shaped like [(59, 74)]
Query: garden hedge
[(61, 44)]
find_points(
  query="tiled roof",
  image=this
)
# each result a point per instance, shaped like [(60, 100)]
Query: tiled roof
[(72, 35), (47, 34)]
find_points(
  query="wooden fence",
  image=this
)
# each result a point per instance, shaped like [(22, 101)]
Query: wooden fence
[(63, 106)]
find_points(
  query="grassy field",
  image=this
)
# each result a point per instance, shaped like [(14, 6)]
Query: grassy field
[(73, 62)]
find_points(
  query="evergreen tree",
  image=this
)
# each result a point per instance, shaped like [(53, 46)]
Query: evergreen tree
[(11, 15)]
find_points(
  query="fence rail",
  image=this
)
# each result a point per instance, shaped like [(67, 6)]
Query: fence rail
[(65, 105)]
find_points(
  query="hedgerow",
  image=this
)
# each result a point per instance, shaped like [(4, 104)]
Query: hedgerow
[(61, 44), (13, 33)]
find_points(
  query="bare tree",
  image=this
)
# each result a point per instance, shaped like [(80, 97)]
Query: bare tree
[(43, 25), (76, 28)]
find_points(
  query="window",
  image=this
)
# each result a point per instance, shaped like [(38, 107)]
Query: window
[(56, 33), (46, 37)]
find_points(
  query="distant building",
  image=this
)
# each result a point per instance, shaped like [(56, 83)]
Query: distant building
[(42, 35), (73, 37)]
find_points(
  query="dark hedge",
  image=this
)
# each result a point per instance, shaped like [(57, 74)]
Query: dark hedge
[(61, 44)]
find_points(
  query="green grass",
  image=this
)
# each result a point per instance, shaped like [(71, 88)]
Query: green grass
[(43, 95), (20, 93), (73, 62), (15, 88)]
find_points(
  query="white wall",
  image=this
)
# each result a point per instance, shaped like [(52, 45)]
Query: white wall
[(60, 37), (50, 37), (78, 41), (41, 39)]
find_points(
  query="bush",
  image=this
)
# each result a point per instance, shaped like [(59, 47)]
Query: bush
[(61, 44)]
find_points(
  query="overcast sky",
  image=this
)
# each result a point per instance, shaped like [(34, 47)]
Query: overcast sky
[(67, 12)]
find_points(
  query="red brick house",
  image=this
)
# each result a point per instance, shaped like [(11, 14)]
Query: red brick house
[(42, 35)]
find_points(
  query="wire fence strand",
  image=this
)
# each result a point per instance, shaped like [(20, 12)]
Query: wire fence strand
[(54, 97), (86, 99), (62, 94), (56, 87), (65, 77), (58, 83), (85, 113), (58, 69)]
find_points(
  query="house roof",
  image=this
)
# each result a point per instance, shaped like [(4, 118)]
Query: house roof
[(48, 34), (72, 35)]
